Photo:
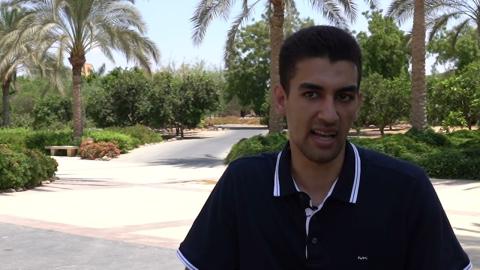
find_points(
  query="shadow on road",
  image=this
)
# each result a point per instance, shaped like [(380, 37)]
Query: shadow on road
[(194, 162)]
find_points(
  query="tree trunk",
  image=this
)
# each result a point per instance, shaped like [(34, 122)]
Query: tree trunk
[(275, 123), (6, 103), (382, 130), (478, 27), (77, 62), (418, 98)]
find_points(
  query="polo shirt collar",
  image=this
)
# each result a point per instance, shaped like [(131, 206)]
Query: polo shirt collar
[(347, 185)]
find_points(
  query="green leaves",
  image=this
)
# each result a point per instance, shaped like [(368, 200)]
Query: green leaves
[(384, 48), (455, 98), (386, 101)]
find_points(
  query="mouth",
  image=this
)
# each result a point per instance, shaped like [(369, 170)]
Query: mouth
[(323, 134)]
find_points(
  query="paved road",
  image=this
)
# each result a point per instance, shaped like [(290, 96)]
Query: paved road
[(132, 212)]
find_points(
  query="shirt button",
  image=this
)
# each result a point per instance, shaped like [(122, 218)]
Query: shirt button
[(314, 240)]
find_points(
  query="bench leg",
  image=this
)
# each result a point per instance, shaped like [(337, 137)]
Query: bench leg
[(52, 152), (71, 152)]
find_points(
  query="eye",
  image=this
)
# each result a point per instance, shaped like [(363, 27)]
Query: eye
[(345, 97), (310, 94)]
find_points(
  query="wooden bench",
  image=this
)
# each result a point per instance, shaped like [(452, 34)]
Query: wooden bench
[(71, 150)]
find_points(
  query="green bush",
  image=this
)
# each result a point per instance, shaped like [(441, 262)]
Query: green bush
[(429, 136), (452, 163), (255, 145), (15, 137), (52, 110), (456, 155), (124, 142), (142, 133), (41, 138), (41, 167), (25, 168)]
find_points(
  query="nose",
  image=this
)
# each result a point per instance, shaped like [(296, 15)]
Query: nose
[(328, 111)]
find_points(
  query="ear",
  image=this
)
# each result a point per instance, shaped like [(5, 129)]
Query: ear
[(280, 97)]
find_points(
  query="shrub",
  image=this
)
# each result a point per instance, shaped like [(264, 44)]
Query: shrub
[(124, 142), (27, 168), (41, 167), (91, 150), (40, 139), (51, 111), (14, 137), (257, 144), (13, 168), (429, 136), (142, 133), (452, 163)]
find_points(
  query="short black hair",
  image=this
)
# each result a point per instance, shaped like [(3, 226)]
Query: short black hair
[(318, 41)]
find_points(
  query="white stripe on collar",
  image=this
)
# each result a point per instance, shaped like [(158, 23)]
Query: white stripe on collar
[(469, 266), (276, 181), (356, 180)]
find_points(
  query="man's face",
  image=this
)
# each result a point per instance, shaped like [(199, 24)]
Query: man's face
[(322, 103)]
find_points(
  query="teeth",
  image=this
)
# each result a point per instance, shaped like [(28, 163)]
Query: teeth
[(324, 134)]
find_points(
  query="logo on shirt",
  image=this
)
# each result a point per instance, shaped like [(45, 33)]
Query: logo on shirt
[(362, 258)]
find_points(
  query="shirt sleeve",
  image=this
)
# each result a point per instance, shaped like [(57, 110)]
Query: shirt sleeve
[(211, 242), (432, 244)]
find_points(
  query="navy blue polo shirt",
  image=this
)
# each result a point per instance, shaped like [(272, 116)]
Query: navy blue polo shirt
[(381, 213)]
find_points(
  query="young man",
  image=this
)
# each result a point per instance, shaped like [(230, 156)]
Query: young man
[(322, 203)]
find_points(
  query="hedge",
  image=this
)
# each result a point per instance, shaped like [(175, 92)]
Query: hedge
[(454, 156), (123, 141), (257, 144), (142, 133), (15, 137), (24, 169), (41, 138)]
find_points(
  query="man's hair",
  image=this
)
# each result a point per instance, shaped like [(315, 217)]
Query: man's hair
[(318, 41)]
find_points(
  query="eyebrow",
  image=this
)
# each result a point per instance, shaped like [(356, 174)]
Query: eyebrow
[(312, 86)]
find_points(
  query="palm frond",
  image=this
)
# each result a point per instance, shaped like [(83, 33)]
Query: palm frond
[(232, 32), (438, 23), (205, 12), (330, 10), (458, 29)]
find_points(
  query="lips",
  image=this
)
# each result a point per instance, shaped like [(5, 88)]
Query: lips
[(323, 138), (324, 133)]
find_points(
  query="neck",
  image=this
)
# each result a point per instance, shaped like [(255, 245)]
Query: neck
[(315, 178)]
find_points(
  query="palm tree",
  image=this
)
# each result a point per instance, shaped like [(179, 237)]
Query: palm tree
[(418, 99), (9, 18), (402, 9), (277, 10), (81, 26), (18, 53), (440, 12)]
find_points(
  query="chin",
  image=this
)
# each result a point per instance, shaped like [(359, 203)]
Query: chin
[(321, 156)]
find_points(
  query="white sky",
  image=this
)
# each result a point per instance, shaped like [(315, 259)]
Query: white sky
[(169, 26)]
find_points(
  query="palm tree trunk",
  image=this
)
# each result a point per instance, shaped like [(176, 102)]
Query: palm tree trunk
[(77, 63), (418, 99), (275, 123), (6, 102), (478, 28)]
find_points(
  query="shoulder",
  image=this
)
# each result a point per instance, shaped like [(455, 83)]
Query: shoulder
[(389, 166), (257, 164), (383, 173)]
